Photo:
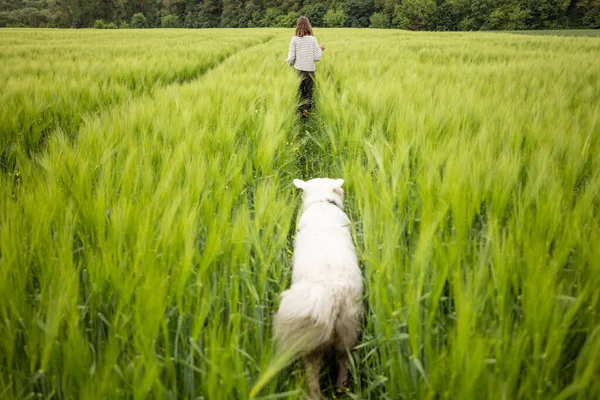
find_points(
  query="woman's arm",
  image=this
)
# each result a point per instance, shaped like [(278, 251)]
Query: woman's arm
[(317, 50), (291, 58)]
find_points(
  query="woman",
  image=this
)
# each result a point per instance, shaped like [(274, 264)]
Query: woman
[(304, 52)]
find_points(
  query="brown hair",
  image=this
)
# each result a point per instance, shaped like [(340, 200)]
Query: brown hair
[(303, 27)]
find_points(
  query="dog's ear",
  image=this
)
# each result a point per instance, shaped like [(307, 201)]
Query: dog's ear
[(337, 188), (299, 183)]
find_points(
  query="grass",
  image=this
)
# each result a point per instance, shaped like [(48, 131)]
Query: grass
[(55, 80), (143, 250), (561, 32)]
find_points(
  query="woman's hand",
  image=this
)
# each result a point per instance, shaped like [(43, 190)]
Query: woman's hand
[(286, 60), (322, 47)]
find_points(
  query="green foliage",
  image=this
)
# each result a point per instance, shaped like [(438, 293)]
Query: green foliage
[(123, 25), (99, 24), (30, 16), (233, 14), (287, 21), (254, 20), (448, 14), (379, 20), (139, 21), (209, 15), (8, 19), (591, 13), (358, 12), (447, 17), (270, 17), (509, 17), (111, 25), (170, 21), (315, 13), (385, 6), (414, 14), (474, 280), (192, 20), (335, 18), (477, 13), (546, 14), (242, 160)]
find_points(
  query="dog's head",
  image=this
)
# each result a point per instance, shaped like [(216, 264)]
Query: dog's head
[(321, 189)]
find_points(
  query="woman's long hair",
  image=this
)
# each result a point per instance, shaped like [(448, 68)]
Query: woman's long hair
[(303, 27)]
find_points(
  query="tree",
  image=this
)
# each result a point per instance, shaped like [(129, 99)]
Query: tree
[(385, 6), (270, 17), (61, 19), (406, 14), (480, 11), (255, 20), (7, 18), (414, 15), (288, 20), (139, 21), (149, 8), (32, 17), (232, 13), (591, 13), (285, 6), (546, 14), (174, 7), (506, 17), (122, 12), (358, 12), (192, 16), (334, 18), (314, 13), (447, 17), (209, 15), (170, 21), (379, 20)]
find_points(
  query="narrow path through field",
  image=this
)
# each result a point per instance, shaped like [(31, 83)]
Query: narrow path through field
[(315, 145), (176, 80), (136, 87), (200, 72), (315, 158)]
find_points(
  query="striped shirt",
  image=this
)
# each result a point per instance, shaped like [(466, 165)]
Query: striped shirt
[(303, 53)]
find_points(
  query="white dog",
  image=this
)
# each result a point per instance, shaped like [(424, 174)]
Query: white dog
[(322, 308)]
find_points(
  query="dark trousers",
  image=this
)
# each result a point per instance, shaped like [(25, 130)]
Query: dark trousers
[(305, 91)]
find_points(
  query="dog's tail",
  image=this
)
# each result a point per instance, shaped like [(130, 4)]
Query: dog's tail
[(304, 321), (305, 318)]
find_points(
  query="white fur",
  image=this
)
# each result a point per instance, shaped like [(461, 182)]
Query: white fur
[(322, 307)]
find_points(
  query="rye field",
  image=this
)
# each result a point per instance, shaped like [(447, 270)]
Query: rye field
[(147, 211)]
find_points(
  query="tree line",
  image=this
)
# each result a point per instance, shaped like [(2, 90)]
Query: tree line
[(440, 15)]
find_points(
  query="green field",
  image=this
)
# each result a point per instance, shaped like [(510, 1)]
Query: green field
[(561, 32), (147, 210)]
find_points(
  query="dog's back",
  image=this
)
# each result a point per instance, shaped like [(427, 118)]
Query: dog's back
[(322, 308), (323, 248)]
